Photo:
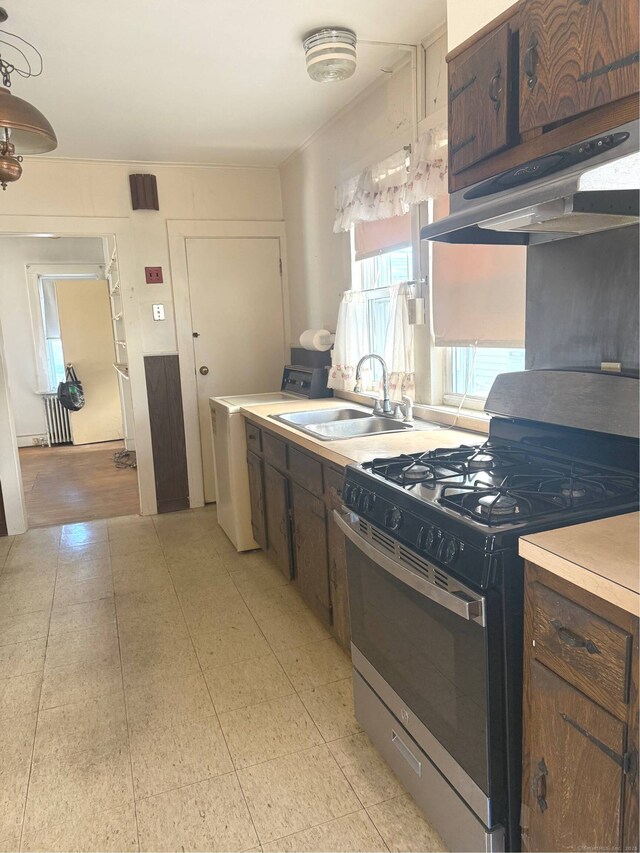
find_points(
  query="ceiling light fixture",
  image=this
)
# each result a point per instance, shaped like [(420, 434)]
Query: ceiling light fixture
[(23, 128), (330, 53)]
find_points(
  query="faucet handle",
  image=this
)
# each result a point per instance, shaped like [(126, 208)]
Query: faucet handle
[(377, 408), (408, 409)]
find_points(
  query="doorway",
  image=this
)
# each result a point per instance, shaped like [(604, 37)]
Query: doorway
[(75, 465)]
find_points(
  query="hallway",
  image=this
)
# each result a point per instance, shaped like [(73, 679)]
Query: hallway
[(159, 691), (76, 483)]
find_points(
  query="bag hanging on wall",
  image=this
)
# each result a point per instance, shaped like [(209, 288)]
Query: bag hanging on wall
[(70, 393)]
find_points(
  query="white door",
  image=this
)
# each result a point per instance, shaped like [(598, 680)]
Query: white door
[(87, 343), (237, 314)]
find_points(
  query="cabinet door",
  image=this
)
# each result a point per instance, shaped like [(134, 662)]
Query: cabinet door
[(337, 562), (573, 780), (479, 102), (310, 537), (256, 494), (575, 55), (276, 496)]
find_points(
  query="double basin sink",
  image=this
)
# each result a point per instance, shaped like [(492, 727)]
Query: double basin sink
[(334, 424)]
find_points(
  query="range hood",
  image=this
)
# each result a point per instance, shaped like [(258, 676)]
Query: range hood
[(588, 187)]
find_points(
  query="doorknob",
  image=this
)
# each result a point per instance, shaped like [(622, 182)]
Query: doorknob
[(204, 370)]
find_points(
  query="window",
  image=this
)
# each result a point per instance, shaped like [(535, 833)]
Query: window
[(382, 257), (373, 276), (54, 355), (470, 372)]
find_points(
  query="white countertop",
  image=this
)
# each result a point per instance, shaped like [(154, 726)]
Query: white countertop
[(602, 557)]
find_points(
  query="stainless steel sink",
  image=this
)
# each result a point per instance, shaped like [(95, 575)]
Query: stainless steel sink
[(334, 424)]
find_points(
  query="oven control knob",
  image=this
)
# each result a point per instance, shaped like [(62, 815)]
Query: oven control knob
[(451, 551), (346, 493), (422, 538), (430, 538), (367, 501), (393, 518)]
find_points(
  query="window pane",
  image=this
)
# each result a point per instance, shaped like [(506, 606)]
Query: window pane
[(383, 270), (480, 372), (55, 362)]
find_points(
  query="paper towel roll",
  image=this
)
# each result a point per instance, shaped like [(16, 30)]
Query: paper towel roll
[(317, 339)]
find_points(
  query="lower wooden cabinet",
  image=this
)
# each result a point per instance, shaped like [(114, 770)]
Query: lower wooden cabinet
[(310, 547), (256, 491), (276, 514), (293, 495), (580, 745)]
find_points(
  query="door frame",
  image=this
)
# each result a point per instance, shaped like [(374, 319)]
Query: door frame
[(118, 229), (179, 231)]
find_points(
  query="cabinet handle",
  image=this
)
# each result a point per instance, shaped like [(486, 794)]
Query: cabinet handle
[(569, 638), (530, 61), (539, 785), (495, 89), (460, 145)]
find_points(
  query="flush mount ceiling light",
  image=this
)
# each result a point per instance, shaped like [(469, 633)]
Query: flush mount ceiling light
[(23, 128), (330, 54)]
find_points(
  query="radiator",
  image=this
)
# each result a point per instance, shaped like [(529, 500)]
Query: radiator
[(58, 426)]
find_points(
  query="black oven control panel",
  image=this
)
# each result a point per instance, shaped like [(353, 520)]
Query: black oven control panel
[(431, 540)]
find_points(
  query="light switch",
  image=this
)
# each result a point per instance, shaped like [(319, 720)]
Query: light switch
[(158, 311)]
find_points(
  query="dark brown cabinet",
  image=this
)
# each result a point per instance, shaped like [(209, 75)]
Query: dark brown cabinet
[(580, 738), (293, 495), (256, 492), (310, 538), (544, 75), (336, 545), (479, 100), (574, 56), (276, 513)]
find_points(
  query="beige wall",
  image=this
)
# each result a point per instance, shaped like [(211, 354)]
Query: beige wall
[(466, 17), (80, 197), (375, 126), (51, 187)]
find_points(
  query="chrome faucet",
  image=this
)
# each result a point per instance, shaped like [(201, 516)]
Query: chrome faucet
[(386, 402)]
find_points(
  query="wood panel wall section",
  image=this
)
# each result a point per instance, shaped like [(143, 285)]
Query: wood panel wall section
[(164, 394)]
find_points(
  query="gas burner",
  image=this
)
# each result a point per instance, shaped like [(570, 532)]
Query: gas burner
[(575, 491), (418, 472), (481, 461), (497, 504)]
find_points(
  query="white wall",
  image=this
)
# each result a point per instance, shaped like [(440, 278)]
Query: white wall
[(319, 260), (466, 17), (15, 317), (83, 197)]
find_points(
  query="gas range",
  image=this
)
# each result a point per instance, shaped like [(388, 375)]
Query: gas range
[(436, 585), (485, 496)]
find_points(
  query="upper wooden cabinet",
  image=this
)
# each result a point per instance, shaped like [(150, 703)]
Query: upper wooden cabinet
[(479, 102), (544, 75), (575, 55)]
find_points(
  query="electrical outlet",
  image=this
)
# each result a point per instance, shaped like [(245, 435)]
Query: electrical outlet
[(158, 311), (153, 275), (40, 441)]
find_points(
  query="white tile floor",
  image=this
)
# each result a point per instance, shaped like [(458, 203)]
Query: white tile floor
[(159, 691)]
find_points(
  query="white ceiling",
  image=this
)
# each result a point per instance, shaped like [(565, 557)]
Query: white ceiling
[(198, 81)]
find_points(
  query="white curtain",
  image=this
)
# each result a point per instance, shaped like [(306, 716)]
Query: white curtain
[(352, 343), (398, 350), (388, 188), (351, 340), (427, 176)]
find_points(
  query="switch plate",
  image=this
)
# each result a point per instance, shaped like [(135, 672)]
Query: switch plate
[(153, 275), (158, 311)]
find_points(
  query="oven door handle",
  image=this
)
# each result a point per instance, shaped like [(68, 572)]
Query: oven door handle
[(468, 609)]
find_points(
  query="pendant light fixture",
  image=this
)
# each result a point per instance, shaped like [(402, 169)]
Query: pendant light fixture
[(330, 53), (23, 128)]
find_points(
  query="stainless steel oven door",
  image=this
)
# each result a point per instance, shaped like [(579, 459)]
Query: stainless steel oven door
[(420, 640)]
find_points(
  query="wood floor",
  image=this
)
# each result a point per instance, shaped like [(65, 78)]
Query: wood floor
[(64, 484)]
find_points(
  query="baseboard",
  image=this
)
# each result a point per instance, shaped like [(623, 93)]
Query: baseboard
[(30, 440)]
